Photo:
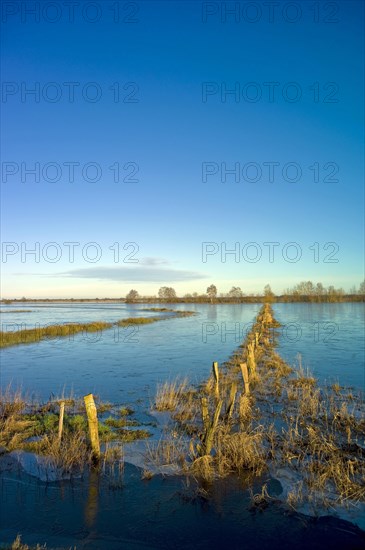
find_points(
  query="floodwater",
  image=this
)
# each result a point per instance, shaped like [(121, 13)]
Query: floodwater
[(124, 367), (126, 363)]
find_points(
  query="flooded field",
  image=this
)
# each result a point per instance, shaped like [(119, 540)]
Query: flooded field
[(95, 511)]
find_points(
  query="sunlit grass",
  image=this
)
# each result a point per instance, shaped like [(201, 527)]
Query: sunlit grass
[(28, 336), (68, 330)]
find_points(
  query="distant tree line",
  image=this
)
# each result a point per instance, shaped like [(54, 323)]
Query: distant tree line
[(306, 291)]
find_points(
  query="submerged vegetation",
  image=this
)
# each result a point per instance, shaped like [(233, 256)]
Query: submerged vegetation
[(68, 330)]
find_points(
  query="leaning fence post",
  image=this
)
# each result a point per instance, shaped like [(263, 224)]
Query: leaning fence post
[(232, 398), (209, 434), (92, 418), (60, 421), (205, 413)]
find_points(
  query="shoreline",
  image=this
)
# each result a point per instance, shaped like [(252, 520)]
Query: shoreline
[(346, 298)]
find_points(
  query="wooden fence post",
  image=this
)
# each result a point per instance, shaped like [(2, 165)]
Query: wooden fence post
[(232, 398), (205, 413), (209, 434), (216, 377), (251, 357), (244, 371), (60, 421), (92, 418)]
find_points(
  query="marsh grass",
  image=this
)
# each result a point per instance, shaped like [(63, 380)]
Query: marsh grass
[(2, 311), (34, 428), (240, 451), (19, 545), (29, 336), (287, 422), (68, 330), (203, 468), (138, 321), (170, 394), (14, 427), (169, 450)]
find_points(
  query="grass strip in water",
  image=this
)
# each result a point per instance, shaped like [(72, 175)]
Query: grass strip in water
[(29, 336)]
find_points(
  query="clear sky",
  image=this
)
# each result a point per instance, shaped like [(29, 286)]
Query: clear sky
[(232, 129)]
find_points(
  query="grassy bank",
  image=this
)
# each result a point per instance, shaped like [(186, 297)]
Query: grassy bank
[(68, 330)]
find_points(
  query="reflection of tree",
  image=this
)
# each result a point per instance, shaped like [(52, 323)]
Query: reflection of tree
[(91, 506), (212, 312)]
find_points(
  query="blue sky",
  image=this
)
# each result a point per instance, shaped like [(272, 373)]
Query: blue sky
[(172, 135)]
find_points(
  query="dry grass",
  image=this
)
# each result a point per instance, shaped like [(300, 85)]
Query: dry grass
[(241, 451), (146, 474), (69, 456), (34, 428), (295, 496), (260, 500), (169, 395), (169, 451), (19, 545), (203, 468), (13, 427), (245, 409)]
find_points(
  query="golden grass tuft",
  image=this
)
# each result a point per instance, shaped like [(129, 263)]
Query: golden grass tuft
[(237, 452), (19, 545), (203, 468), (169, 395)]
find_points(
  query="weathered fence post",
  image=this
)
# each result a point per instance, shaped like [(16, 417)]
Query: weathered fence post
[(216, 377), (232, 398), (205, 413), (251, 357), (244, 371), (60, 421), (92, 418), (209, 434)]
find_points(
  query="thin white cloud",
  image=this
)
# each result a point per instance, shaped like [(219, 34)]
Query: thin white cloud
[(133, 274), (153, 261)]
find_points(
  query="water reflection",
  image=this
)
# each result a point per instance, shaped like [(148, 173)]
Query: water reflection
[(91, 504)]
